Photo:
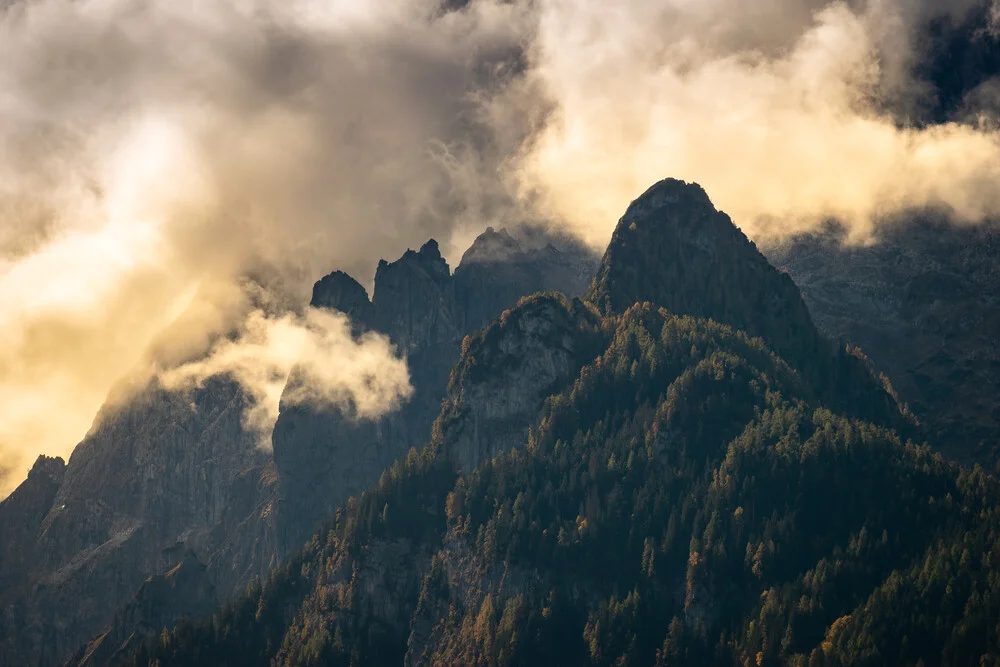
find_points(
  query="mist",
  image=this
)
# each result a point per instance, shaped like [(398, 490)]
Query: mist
[(153, 155), (363, 377)]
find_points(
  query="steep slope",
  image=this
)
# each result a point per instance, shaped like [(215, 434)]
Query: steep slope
[(922, 301), (183, 591), (506, 372), (167, 467), (21, 516), (498, 269), (681, 496)]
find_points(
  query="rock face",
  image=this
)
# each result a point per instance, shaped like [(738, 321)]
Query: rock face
[(325, 456), (21, 516), (922, 301), (166, 468), (673, 248), (339, 291), (185, 590), (503, 269)]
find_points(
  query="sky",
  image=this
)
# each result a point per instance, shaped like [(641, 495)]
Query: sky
[(174, 175)]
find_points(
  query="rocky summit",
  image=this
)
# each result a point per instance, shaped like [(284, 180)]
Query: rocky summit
[(674, 249)]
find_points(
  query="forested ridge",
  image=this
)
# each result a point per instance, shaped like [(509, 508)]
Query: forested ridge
[(685, 501), (688, 497)]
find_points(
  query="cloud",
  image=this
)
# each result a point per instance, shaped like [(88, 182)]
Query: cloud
[(363, 377), (786, 111)]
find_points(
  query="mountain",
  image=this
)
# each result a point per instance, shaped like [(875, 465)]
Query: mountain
[(922, 300), (169, 506), (702, 265), (166, 467), (22, 513), (325, 456), (615, 483), (692, 266)]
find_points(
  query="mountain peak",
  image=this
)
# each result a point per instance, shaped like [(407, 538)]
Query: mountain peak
[(427, 260), (673, 248), (340, 291), (430, 251), (669, 191), (51, 466)]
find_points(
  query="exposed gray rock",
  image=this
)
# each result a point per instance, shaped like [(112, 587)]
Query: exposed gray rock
[(339, 291), (414, 300), (185, 590), (499, 269), (164, 468), (674, 249)]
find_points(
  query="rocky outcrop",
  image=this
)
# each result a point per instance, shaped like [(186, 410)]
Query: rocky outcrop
[(506, 372), (414, 300), (184, 590), (672, 248), (339, 291), (324, 454), (499, 269)]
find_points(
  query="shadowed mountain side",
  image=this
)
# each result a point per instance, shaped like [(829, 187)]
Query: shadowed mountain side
[(674, 494), (21, 516), (167, 467)]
